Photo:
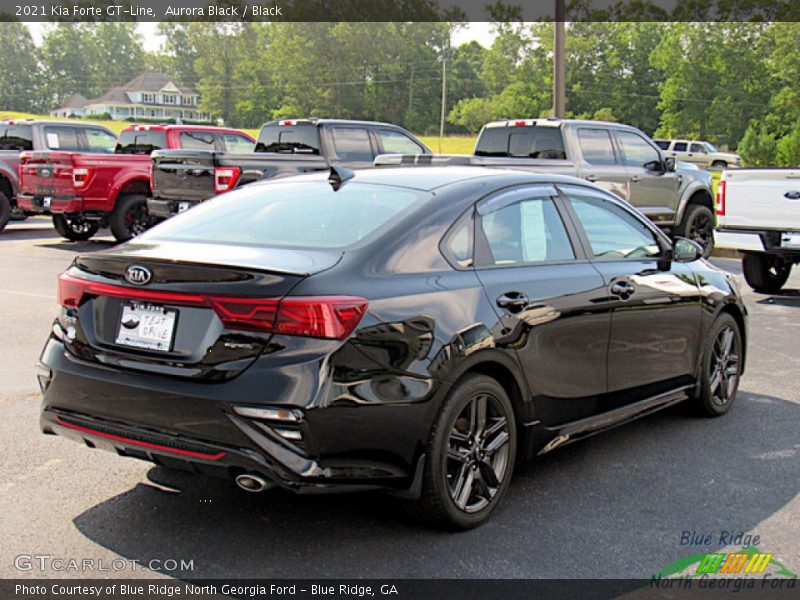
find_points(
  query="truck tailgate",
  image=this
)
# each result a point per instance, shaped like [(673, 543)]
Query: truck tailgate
[(46, 174), (183, 174), (760, 199)]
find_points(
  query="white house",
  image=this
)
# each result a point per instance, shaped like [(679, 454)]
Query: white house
[(150, 96)]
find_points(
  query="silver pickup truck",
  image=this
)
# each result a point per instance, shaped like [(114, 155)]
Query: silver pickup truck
[(678, 198)]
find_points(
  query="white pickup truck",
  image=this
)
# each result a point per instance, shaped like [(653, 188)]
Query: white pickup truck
[(758, 213)]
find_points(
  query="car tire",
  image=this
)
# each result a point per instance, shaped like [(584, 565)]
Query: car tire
[(75, 229), (698, 225), (765, 273), (5, 210), (721, 367), (468, 467), (130, 217), (719, 164)]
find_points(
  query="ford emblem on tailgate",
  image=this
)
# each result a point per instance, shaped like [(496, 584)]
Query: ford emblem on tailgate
[(138, 275)]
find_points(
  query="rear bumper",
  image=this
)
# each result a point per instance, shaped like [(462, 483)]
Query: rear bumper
[(753, 240), (160, 420), (164, 209), (50, 204)]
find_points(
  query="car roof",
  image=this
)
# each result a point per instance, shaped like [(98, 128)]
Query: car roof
[(322, 121), (51, 122), (431, 178)]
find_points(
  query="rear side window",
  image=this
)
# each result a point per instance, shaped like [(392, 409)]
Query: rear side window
[(197, 140), (141, 142), (596, 146), (352, 144), (396, 142), (522, 142), (296, 139), (663, 144), (16, 137), (294, 215), (529, 231), (100, 140), (680, 147), (237, 143), (58, 137)]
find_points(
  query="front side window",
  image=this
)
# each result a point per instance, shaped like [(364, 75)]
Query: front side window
[(197, 140), (528, 231), (100, 140), (636, 151), (698, 148), (396, 142), (352, 144), (596, 146), (613, 232)]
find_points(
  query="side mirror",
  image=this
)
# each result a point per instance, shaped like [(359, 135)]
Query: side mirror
[(654, 166), (670, 163), (686, 250)]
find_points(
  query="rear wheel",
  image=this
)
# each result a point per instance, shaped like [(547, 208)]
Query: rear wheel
[(765, 273), (698, 225), (722, 367), (5, 210), (470, 456), (130, 217), (74, 228)]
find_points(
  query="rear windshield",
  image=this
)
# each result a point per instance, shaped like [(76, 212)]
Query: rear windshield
[(16, 137), (289, 139), (522, 142), (141, 142), (296, 215)]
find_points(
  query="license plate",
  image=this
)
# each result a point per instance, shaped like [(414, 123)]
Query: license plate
[(46, 202), (183, 206), (147, 326), (790, 240)]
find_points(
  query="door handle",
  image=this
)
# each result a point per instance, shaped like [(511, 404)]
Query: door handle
[(635, 179), (623, 289), (513, 301), (592, 178)]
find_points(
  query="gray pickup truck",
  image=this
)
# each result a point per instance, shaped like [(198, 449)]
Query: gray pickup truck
[(676, 197)]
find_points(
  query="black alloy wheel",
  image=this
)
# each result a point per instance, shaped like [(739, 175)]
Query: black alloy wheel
[(722, 367), (699, 228)]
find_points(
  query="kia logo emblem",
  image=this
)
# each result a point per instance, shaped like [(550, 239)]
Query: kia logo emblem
[(138, 275)]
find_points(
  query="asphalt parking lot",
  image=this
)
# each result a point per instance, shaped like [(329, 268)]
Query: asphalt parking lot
[(612, 506)]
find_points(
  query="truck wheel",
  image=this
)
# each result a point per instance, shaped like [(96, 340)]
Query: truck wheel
[(470, 456), (130, 217), (719, 164), (74, 228), (765, 273), (698, 225), (5, 210)]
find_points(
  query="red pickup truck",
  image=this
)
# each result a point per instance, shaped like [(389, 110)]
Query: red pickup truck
[(85, 191)]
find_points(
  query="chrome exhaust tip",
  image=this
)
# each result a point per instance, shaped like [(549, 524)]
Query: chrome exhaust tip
[(251, 482)]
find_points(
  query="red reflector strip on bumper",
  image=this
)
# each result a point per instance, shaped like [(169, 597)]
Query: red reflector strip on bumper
[(125, 440)]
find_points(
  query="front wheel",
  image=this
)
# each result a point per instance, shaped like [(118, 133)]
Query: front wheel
[(698, 226), (470, 456), (719, 164), (130, 217), (765, 273), (74, 228), (722, 367)]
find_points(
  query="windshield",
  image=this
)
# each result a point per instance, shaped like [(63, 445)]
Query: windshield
[(710, 147), (303, 214)]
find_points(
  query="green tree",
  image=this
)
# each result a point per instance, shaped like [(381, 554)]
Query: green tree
[(18, 60), (758, 146)]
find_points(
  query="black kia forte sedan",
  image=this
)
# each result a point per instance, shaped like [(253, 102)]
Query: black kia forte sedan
[(416, 329)]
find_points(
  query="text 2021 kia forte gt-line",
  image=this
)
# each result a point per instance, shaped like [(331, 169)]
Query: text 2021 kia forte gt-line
[(418, 330)]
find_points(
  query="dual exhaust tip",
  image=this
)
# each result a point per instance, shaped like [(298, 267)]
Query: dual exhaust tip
[(253, 482)]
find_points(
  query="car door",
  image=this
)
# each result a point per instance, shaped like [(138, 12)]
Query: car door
[(656, 313), (652, 188), (545, 294), (699, 155), (680, 150), (602, 164)]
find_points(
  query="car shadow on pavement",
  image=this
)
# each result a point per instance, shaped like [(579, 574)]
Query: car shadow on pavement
[(786, 297), (614, 505)]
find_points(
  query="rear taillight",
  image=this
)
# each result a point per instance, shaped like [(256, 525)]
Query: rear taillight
[(721, 191), (332, 317), (81, 177), (225, 178)]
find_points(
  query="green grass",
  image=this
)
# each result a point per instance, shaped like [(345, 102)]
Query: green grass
[(450, 144)]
